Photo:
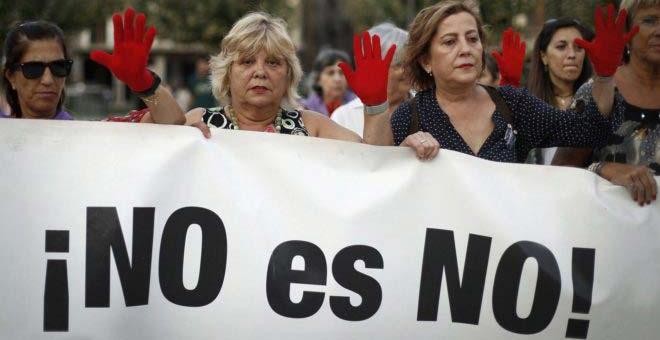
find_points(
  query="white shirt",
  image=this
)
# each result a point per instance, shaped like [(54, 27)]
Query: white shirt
[(350, 116)]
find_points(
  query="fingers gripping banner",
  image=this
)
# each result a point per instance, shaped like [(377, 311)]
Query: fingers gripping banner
[(127, 231)]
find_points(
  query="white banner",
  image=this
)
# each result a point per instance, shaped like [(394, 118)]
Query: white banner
[(136, 231)]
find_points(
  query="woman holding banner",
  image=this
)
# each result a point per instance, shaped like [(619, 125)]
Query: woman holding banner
[(36, 66), (255, 76), (633, 155), (444, 58)]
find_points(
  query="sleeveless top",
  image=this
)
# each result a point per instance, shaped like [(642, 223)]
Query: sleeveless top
[(636, 139), (292, 122)]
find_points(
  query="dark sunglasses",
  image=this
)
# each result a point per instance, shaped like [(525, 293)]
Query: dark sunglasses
[(35, 69)]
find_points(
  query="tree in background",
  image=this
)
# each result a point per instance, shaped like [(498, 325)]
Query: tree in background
[(316, 23), (204, 21), (70, 15)]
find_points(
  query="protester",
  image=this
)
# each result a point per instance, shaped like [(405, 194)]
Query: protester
[(351, 115), (559, 67), (444, 58), (329, 89), (36, 66), (633, 155), (128, 62), (257, 74)]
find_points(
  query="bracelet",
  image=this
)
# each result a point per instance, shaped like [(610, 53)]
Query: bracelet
[(376, 109), (150, 100), (596, 167), (151, 90), (603, 79)]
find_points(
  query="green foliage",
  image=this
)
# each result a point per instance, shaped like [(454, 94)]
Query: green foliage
[(70, 15), (207, 21), (203, 21)]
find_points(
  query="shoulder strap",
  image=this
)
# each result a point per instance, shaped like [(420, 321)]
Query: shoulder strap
[(414, 117), (500, 104)]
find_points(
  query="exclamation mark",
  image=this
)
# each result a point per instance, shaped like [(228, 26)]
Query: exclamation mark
[(583, 284), (56, 292)]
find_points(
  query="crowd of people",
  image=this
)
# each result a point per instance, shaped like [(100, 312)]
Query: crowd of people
[(592, 94)]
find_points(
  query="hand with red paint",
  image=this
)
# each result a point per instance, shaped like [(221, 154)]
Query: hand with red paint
[(128, 61), (369, 79), (510, 60), (606, 49)]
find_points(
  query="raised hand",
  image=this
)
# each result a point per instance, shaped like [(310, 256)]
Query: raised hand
[(606, 49), (128, 61), (369, 80), (510, 60)]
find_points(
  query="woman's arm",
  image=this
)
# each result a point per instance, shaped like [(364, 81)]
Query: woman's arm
[(540, 125), (378, 128), (321, 126), (128, 62), (606, 54), (369, 82), (163, 108), (422, 143), (577, 157)]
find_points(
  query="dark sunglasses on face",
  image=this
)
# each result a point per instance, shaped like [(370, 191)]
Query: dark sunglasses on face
[(35, 69)]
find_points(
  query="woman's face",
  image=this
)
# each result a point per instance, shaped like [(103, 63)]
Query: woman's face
[(260, 80), (39, 97), (562, 56), (455, 51), (646, 44), (332, 82)]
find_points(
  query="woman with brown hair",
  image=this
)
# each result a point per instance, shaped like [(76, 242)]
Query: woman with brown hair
[(444, 59), (559, 67)]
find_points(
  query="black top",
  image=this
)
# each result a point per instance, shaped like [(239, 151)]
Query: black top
[(292, 122), (636, 138), (535, 124)]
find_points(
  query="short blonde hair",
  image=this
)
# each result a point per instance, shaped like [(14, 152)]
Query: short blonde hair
[(422, 30), (249, 35)]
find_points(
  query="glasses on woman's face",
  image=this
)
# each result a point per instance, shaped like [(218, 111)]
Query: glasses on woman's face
[(35, 69)]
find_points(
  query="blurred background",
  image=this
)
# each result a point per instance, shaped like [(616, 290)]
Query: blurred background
[(189, 32)]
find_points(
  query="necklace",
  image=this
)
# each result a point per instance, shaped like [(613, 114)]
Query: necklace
[(276, 126), (563, 100)]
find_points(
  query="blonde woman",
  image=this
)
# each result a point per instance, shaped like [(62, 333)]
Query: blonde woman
[(255, 77)]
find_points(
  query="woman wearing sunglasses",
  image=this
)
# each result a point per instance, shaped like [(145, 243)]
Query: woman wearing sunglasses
[(35, 68), (37, 64)]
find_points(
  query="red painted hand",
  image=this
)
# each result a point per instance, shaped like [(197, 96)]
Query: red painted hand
[(128, 61), (606, 50), (510, 60), (369, 80)]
